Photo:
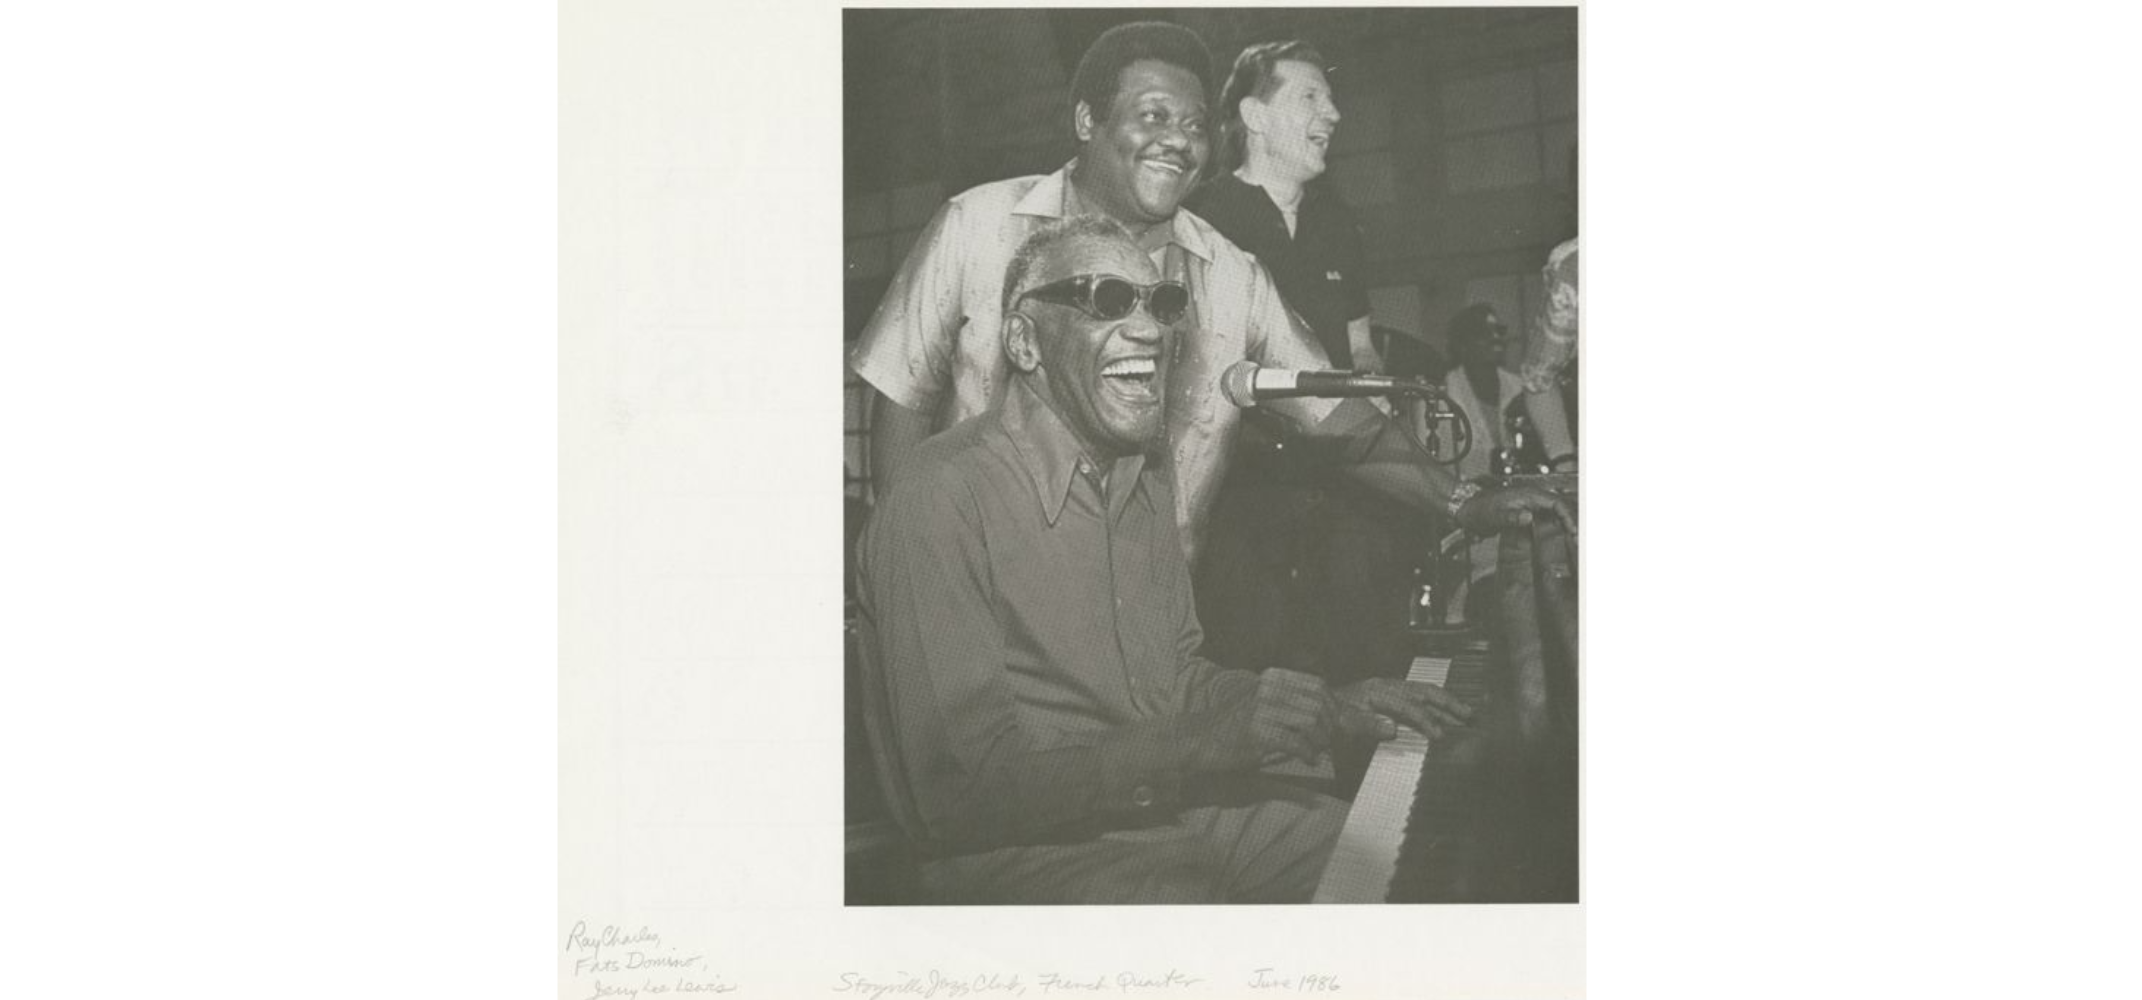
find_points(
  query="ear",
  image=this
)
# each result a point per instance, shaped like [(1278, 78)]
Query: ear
[(1020, 344), (1256, 115), (1082, 121)]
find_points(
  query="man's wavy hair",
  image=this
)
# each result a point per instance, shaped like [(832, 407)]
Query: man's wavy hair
[(1100, 71), (1256, 73), (1048, 237)]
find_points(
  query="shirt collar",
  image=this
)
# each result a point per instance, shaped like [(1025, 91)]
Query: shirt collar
[(1052, 195), (1311, 192), (1051, 455)]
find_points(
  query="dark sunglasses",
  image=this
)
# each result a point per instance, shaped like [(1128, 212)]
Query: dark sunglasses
[(1107, 297)]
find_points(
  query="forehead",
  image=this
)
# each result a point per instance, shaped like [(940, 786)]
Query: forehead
[(1095, 255), (1299, 75), (1151, 79)]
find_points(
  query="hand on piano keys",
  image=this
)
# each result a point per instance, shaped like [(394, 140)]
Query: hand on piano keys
[(1370, 707), (1366, 855), (1287, 714)]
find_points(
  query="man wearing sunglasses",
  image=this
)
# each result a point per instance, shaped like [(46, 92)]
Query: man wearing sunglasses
[(935, 349), (1043, 725)]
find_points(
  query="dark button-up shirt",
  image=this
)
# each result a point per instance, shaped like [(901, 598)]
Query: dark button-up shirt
[(1019, 624), (1317, 267)]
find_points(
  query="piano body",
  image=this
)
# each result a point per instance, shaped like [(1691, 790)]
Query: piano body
[(1488, 813)]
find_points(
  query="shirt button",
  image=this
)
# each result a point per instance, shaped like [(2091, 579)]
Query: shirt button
[(1142, 796)]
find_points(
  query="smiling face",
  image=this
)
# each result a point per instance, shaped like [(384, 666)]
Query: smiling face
[(1107, 379), (1139, 157), (1293, 126)]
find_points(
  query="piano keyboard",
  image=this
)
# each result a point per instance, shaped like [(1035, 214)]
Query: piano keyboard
[(1489, 812), (1367, 853)]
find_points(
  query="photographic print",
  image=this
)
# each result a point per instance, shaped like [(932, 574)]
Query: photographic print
[(1208, 502), (1210, 456)]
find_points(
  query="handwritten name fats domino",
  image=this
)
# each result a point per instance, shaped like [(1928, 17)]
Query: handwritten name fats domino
[(931, 985), (627, 963), (586, 946), (1308, 982)]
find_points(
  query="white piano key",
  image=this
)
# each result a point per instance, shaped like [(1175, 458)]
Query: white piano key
[(1366, 856)]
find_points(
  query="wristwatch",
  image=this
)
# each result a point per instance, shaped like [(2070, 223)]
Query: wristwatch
[(1464, 492)]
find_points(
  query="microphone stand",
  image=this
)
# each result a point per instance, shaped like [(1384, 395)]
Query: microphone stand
[(1438, 411)]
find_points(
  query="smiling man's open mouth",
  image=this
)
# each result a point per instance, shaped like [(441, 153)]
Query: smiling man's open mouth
[(1131, 371), (1134, 379)]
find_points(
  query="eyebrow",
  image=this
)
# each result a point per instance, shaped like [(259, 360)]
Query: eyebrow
[(1163, 95)]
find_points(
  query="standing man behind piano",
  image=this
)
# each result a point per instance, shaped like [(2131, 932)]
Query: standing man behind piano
[(1303, 568), (934, 349), (1041, 720)]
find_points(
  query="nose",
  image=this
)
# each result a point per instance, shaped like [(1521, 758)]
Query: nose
[(1331, 112), (1141, 328)]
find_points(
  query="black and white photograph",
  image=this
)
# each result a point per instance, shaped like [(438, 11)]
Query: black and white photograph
[(1171, 530), (1211, 456)]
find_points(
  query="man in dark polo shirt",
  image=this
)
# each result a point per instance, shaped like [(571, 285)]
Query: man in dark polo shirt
[(1303, 570), (1042, 723), (1277, 119)]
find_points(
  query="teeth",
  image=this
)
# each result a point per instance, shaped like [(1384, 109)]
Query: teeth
[(1130, 367), (1164, 165)]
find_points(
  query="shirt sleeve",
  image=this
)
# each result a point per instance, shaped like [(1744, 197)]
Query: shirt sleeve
[(906, 349), (1279, 339), (964, 773), (1202, 684)]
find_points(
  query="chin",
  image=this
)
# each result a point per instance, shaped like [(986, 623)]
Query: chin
[(1159, 205), (1158, 211), (1132, 439)]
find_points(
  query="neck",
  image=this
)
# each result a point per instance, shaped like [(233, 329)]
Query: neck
[(1286, 191)]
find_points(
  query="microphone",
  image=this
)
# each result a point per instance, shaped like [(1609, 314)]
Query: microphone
[(1246, 384)]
